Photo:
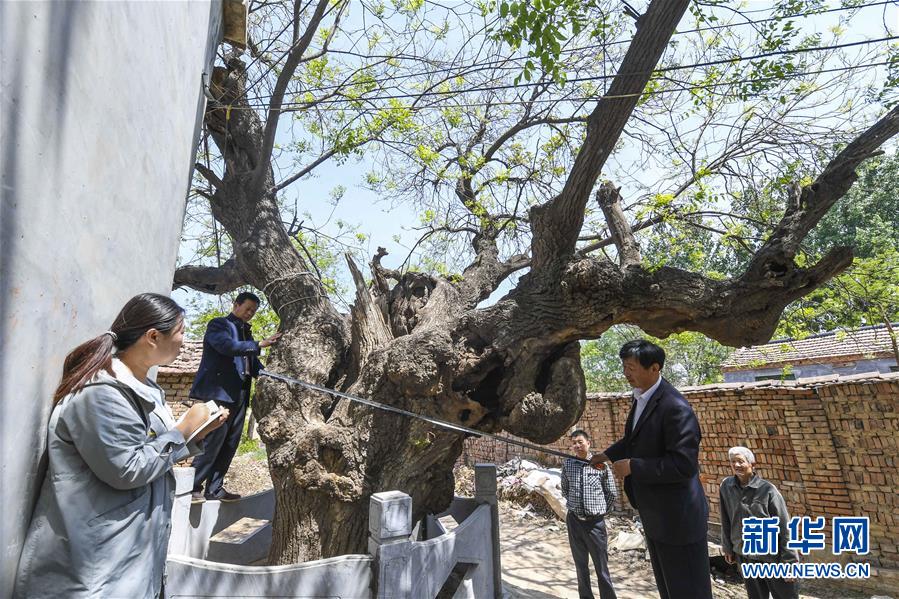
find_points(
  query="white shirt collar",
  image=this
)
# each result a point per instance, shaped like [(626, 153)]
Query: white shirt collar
[(149, 392), (124, 374), (644, 396)]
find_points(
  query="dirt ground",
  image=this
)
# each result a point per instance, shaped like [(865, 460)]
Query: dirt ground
[(248, 474), (536, 560), (537, 563)]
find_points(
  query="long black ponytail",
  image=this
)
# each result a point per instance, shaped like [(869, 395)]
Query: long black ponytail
[(142, 312)]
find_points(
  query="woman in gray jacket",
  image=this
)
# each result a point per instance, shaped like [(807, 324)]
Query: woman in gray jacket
[(102, 521)]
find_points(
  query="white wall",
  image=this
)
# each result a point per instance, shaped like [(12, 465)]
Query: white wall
[(101, 103)]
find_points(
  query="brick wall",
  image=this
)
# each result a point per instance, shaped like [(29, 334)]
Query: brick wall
[(864, 424), (832, 448), (176, 386)]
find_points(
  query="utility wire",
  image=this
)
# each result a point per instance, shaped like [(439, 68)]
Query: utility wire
[(612, 76), (339, 105), (448, 71)]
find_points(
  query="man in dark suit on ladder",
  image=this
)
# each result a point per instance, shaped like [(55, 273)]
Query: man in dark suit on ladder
[(658, 457), (229, 363)]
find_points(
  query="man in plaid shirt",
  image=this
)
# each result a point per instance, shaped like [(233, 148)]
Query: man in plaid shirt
[(589, 492)]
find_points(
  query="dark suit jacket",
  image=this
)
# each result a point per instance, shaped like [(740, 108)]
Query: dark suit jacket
[(227, 348), (664, 481)]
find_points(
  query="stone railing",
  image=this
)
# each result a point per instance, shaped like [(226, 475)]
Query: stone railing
[(455, 554)]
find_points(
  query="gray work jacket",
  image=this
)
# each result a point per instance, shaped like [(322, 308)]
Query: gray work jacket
[(102, 521), (757, 499)]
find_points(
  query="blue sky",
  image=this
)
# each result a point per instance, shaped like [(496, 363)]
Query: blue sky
[(390, 225)]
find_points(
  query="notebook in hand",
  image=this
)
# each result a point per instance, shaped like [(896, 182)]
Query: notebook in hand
[(214, 411)]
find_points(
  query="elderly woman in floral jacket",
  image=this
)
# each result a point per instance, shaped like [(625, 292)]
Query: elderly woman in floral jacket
[(101, 525)]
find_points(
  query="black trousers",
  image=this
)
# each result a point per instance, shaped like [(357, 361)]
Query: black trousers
[(681, 571), (588, 539), (211, 466), (763, 588)]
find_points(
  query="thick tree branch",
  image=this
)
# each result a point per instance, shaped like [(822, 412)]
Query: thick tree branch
[(210, 279), (284, 77), (209, 175), (607, 241), (558, 223), (813, 202), (487, 271), (369, 330), (381, 274), (259, 54), (595, 294), (739, 311), (609, 199), (734, 312)]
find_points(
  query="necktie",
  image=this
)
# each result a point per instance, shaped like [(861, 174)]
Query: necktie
[(634, 412), (246, 359)]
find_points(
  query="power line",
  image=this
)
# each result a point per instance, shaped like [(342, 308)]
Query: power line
[(484, 65), (758, 10), (584, 99), (442, 93), (617, 42)]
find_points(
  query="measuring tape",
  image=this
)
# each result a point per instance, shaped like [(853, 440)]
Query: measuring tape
[(435, 421)]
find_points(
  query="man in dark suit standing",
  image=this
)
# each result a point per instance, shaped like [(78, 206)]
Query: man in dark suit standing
[(229, 363), (658, 459)]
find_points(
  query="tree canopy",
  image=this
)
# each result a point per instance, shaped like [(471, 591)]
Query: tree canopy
[(593, 164)]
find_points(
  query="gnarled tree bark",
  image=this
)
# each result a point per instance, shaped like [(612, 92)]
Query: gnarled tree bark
[(420, 342)]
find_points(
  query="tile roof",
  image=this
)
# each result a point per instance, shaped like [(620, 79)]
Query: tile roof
[(835, 346), (187, 361)]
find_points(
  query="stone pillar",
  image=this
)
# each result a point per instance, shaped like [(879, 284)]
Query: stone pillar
[(390, 527), (179, 541), (485, 493)]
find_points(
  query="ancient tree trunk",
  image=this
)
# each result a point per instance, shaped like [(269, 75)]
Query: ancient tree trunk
[(422, 344)]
